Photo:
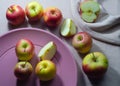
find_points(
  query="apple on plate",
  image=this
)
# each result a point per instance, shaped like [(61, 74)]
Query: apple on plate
[(68, 28), (45, 70), (48, 51), (52, 16), (82, 42), (24, 49), (15, 15), (89, 10), (34, 11), (23, 70), (95, 65)]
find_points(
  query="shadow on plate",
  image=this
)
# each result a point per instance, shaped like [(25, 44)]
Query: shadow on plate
[(54, 82)]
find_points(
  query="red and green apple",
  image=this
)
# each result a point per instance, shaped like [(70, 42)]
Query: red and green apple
[(34, 11), (23, 70), (95, 65), (82, 42), (24, 49)]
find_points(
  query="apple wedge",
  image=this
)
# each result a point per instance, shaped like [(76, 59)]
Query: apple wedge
[(48, 51), (68, 28)]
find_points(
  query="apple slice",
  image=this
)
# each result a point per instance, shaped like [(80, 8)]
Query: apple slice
[(89, 11), (48, 51), (68, 28)]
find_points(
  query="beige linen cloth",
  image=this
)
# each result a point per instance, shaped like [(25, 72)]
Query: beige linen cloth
[(107, 26)]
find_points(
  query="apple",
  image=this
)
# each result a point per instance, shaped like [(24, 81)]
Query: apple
[(45, 70), (24, 49), (89, 10), (23, 70), (68, 28), (48, 51), (95, 65), (52, 16), (15, 15), (82, 42), (34, 11)]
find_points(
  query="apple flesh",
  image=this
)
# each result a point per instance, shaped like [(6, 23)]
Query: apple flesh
[(15, 15), (89, 10), (23, 70), (34, 11), (82, 42), (95, 65), (68, 28), (45, 70), (48, 51), (24, 49), (52, 16)]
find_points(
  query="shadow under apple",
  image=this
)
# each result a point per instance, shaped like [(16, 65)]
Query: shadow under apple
[(54, 82), (12, 27), (111, 78)]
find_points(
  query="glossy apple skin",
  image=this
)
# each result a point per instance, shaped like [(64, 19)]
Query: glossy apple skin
[(45, 70), (52, 16), (24, 49), (95, 65), (82, 42), (15, 15), (23, 70), (34, 11)]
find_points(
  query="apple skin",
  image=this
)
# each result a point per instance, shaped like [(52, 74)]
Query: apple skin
[(23, 70), (15, 15), (52, 16), (82, 42), (45, 70), (34, 11), (24, 49), (95, 65)]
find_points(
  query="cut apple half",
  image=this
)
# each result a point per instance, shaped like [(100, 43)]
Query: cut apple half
[(68, 28), (48, 51)]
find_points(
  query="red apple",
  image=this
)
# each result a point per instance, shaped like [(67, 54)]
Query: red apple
[(34, 11), (52, 16), (24, 49), (15, 15), (95, 65), (45, 70), (82, 41), (23, 70)]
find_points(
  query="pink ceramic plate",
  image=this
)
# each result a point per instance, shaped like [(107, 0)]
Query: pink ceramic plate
[(66, 66)]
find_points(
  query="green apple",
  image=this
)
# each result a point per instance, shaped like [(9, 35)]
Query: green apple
[(23, 70), (24, 49), (34, 11), (95, 64), (48, 51), (68, 28), (89, 10), (45, 70)]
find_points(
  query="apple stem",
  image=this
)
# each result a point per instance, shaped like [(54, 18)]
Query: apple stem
[(11, 10), (94, 58), (25, 63)]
